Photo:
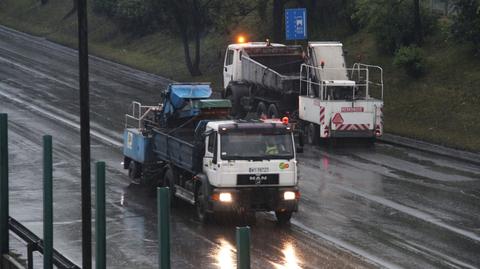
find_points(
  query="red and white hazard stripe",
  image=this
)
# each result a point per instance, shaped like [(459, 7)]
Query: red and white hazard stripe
[(353, 127), (322, 115), (379, 121)]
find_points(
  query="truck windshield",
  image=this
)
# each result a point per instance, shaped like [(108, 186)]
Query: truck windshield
[(254, 146)]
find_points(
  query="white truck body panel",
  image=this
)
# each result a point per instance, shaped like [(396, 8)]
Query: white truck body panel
[(225, 173), (232, 69), (357, 116)]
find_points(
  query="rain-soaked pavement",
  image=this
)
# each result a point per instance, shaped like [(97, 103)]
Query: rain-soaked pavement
[(361, 207)]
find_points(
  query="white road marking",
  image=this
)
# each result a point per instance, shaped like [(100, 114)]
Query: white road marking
[(412, 212), (63, 120)]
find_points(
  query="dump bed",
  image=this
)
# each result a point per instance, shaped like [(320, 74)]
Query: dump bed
[(276, 68), (180, 151), (157, 145)]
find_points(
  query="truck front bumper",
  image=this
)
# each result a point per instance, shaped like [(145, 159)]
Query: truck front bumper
[(254, 199)]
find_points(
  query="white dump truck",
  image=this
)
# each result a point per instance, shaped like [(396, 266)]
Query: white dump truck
[(315, 87)]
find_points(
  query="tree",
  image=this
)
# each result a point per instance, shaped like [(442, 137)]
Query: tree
[(192, 20), (466, 22), (418, 22), (277, 18), (393, 23), (72, 11)]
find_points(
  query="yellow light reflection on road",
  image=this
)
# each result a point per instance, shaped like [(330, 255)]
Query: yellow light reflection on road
[(290, 258), (225, 255)]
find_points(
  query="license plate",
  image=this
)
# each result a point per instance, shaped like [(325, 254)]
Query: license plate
[(257, 179)]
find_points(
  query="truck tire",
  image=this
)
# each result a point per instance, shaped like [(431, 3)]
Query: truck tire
[(170, 182), (235, 97), (201, 207), (273, 112), (261, 110), (283, 217), (312, 133), (134, 171)]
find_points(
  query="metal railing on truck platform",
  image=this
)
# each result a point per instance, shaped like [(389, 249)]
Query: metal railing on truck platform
[(315, 81), (140, 114)]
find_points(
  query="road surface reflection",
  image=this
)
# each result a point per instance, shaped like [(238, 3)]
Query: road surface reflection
[(290, 258), (224, 255)]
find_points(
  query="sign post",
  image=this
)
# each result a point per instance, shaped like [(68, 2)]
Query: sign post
[(296, 24)]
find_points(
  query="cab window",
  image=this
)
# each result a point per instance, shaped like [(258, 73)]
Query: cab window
[(211, 142), (229, 59)]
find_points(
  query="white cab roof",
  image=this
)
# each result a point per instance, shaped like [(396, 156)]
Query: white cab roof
[(325, 44), (253, 45), (214, 124)]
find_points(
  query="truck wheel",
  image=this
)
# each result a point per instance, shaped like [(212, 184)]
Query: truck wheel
[(134, 173), (312, 132), (201, 207), (273, 112), (235, 97), (283, 217), (261, 110), (170, 181)]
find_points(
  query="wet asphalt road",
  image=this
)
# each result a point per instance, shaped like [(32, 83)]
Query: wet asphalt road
[(388, 206)]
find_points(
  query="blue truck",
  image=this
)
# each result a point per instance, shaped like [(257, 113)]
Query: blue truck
[(189, 144)]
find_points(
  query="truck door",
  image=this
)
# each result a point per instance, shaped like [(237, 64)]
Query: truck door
[(210, 159), (228, 68)]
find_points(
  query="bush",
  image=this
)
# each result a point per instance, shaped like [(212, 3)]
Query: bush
[(106, 7), (411, 59), (392, 22), (466, 22), (134, 16)]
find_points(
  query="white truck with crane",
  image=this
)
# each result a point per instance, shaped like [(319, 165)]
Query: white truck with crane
[(328, 99), (188, 144)]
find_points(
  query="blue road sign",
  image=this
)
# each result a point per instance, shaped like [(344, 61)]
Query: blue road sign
[(296, 23)]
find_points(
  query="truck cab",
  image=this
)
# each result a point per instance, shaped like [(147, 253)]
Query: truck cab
[(254, 164), (336, 101)]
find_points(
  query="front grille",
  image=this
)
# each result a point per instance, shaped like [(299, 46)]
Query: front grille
[(259, 179)]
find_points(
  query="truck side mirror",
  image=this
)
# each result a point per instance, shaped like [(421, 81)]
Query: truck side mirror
[(215, 149), (214, 159)]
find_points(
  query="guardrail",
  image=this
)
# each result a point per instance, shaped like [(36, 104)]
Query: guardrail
[(7, 223), (45, 246)]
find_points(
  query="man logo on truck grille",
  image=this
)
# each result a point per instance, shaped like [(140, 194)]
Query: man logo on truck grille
[(257, 179)]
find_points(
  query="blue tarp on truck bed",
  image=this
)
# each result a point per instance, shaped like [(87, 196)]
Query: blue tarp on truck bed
[(180, 92)]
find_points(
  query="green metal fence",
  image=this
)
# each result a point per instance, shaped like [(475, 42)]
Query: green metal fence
[(7, 223), (45, 246)]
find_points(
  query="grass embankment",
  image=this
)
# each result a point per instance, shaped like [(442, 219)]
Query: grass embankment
[(440, 107), (158, 53)]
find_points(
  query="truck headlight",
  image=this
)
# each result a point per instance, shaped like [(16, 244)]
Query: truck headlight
[(225, 197), (289, 195)]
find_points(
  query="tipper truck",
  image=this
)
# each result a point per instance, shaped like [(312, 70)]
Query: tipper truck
[(314, 87), (188, 144)]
